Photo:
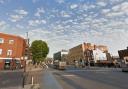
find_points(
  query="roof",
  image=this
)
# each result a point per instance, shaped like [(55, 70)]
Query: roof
[(11, 35)]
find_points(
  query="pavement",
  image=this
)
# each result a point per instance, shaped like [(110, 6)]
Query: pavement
[(14, 79)]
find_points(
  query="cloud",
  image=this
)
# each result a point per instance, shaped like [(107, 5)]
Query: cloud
[(60, 1), (4, 26), (1, 1), (64, 14), (40, 31), (21, 12), (43, 34), (115, 1), (100, 22), (19, 26), (18, 15), (39, 12), (2, 23), (119, 10), (104, 11), (112, 14), (126, 20), (15, 18), (5, 1), (36, 22), (101, 3), (116, 8), (34, 1), (123, 7), (73, 6), (84, 7)]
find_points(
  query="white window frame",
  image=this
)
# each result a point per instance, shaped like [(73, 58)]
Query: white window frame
[(9, 52), (11, 41), (0, 51), (1, 40)]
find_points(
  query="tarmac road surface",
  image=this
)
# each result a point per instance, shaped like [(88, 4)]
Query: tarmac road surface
[(96, 78)]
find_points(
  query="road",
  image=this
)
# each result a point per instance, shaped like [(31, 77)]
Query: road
[(11, 79), (94, 78), (71, 78)]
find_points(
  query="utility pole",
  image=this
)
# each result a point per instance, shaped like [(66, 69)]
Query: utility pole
[(27, 37), (26, 54)]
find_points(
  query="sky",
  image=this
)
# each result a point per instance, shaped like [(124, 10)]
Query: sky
[(64, 24)]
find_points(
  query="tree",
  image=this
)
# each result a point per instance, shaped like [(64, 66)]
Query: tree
[(39, 50)]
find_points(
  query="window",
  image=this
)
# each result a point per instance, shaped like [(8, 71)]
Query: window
[(0, 51), (1, 40), (11, 41), (9, 52)]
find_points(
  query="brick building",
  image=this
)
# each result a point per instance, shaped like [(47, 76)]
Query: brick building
[(123, 53), (12, 50), (85, 52)]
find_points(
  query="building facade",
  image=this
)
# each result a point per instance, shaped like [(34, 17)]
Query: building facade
[(12, 48), (123, 53), (85, 52), (61, 55)]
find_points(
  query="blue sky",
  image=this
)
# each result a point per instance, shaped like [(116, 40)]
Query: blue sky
[(64, 24)]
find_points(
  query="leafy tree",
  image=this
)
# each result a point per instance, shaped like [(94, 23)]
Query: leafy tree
[(39, 50)]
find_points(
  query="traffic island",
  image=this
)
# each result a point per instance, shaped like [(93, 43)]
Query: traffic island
[(35, 86)]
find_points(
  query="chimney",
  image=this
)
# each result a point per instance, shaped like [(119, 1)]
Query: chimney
[(94, 47)]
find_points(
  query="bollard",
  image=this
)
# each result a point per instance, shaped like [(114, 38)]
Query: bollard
[(23, 82), (32, 80)]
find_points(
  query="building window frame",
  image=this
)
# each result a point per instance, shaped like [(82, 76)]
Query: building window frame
[(1, 51), (1, 40), (9, 52), (11, 41)]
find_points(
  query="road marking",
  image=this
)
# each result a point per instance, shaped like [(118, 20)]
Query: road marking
[(69, 75)]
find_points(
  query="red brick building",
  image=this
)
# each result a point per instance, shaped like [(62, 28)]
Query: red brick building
[(12, 48)]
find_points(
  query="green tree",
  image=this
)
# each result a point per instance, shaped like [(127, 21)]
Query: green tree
[(39, 50)]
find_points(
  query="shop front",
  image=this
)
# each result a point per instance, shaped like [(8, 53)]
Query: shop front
[(7, 64)]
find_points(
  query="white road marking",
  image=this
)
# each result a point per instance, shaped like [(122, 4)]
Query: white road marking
[(69, 75)]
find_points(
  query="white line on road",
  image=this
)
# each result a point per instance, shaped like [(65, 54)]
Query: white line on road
[(69, 75)]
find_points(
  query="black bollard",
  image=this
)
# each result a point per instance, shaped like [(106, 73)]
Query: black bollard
[(23, 82)]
